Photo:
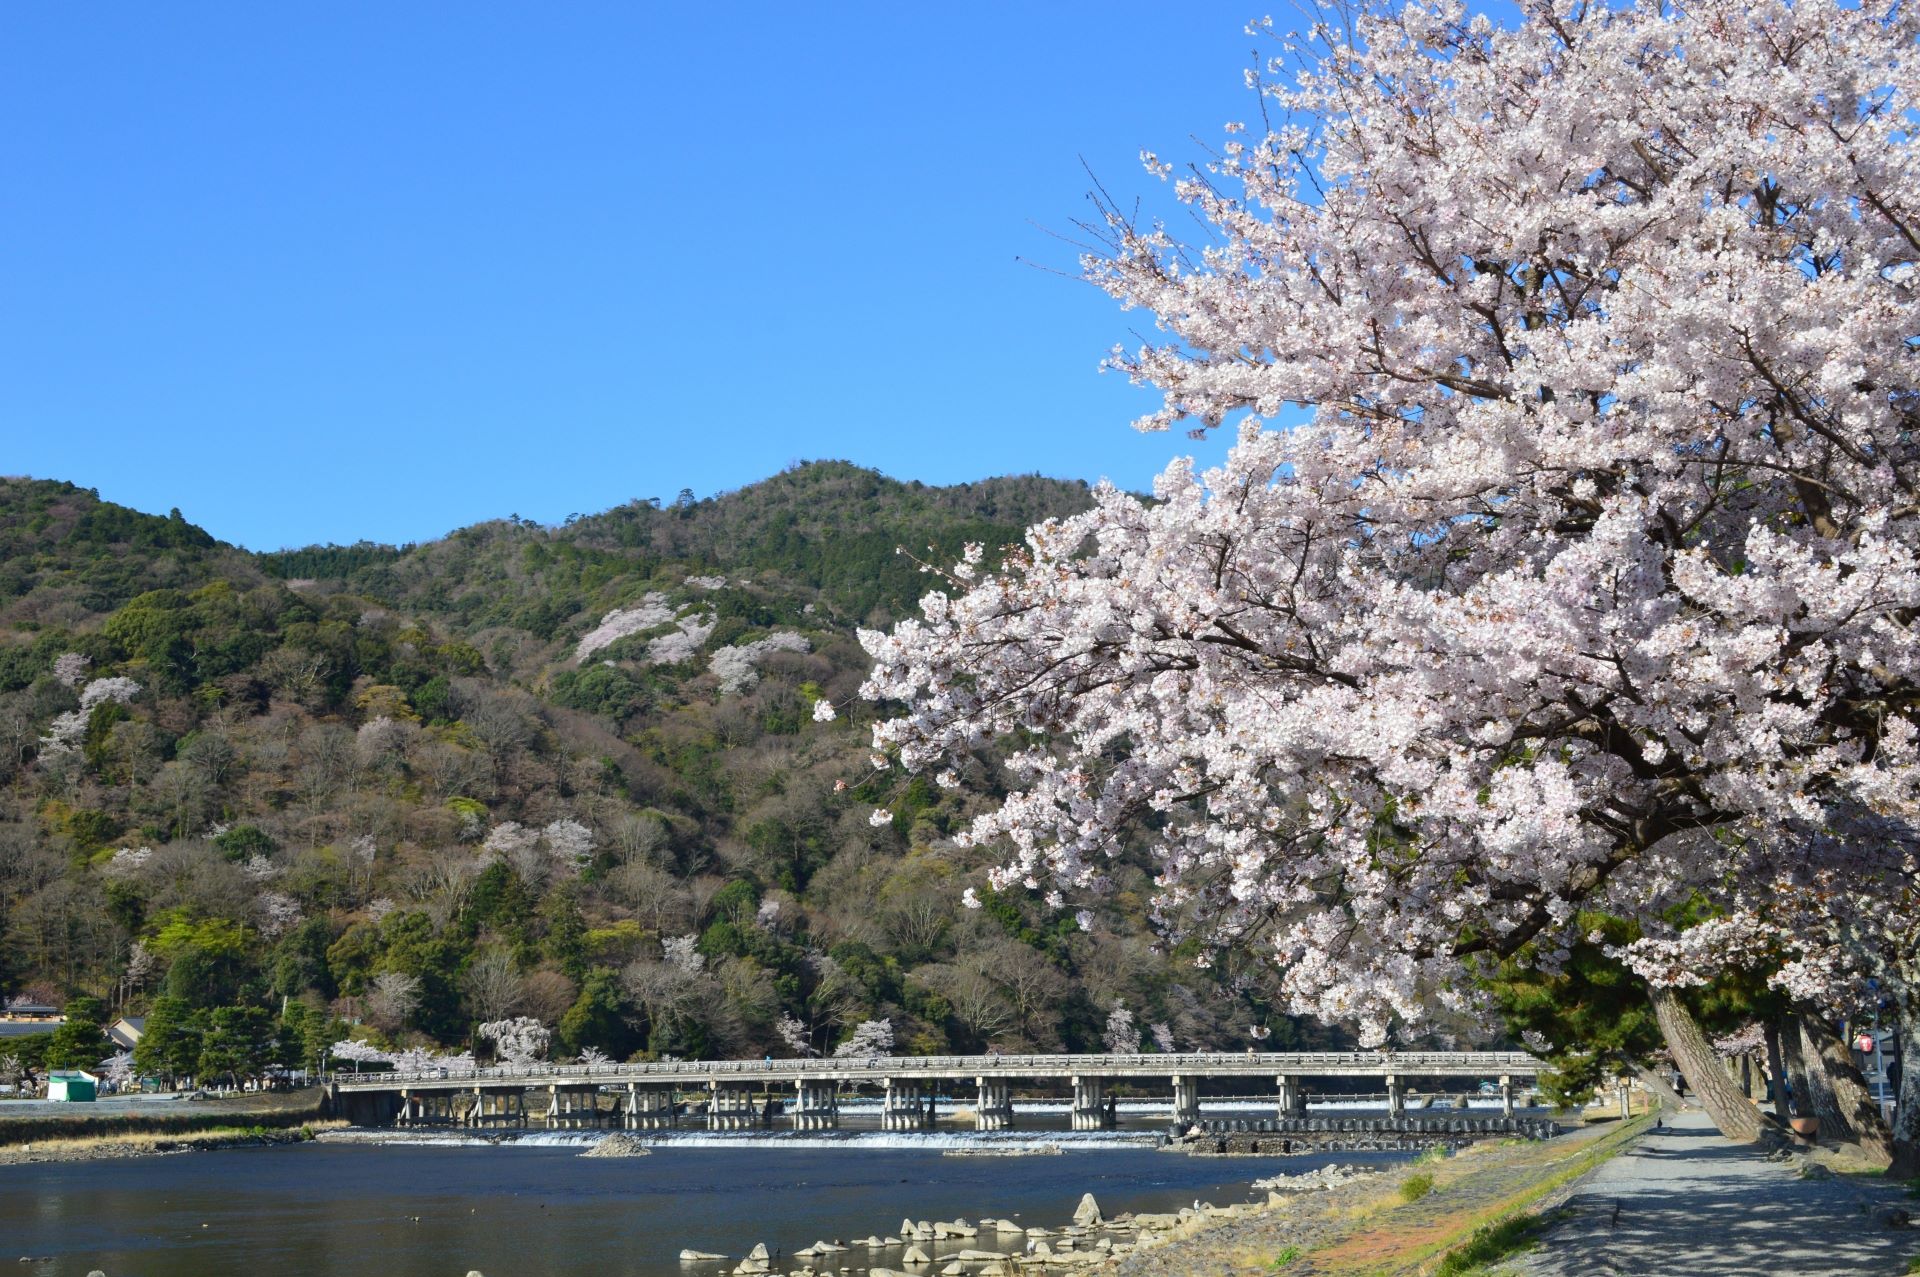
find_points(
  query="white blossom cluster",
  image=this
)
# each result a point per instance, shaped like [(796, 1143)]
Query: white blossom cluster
[(738, 666), (67, 730), (127, 859), (565, 841), (1745, 1040), (652, 611), (69, 668), (1586, 577), (277, 911), (684, 643)]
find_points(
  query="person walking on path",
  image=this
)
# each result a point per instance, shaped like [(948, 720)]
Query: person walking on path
[(1685, 1201)]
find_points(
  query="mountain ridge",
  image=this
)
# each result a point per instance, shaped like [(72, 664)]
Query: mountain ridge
[(409, 788)]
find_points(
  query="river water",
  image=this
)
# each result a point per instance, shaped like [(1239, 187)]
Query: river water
[(536, 1208)]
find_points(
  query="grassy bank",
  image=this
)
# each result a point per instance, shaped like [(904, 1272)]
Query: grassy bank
[(274, 1112), (1477, 1208), (1441, 1216), (83, 1148)]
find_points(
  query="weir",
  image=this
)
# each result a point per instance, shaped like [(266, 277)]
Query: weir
[(754, 1094)]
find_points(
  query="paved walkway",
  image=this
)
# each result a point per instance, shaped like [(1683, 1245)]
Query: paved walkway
[(1685, 1202)]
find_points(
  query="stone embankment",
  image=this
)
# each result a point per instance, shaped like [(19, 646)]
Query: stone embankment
[(1352, 1134)]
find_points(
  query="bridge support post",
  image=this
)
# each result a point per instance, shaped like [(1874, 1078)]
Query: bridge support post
[(1396, 1096), (1186, 1100), (649, 1108), (1090, 1109), (1506, 1096), (815, 1106), (730, 1108), (1293, 1096), (994, 1109), (904, 1108)]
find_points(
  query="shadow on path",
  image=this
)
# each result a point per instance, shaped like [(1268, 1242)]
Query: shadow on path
[(1686, 1202)]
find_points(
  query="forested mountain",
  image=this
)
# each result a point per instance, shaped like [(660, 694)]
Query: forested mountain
[(416, 788)]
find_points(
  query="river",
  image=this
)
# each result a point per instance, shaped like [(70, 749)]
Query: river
[(538, 1209)]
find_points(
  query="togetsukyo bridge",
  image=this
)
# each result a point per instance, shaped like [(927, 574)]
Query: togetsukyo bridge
[(805, 1094)]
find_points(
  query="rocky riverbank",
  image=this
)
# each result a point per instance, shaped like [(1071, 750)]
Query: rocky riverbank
[(1336, 1221), (991, 1247)]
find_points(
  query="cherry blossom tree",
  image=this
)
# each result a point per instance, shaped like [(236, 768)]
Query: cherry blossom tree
[(1122, 1036), (356, 1053), (793, 1031), (1566, 555), (681, 953), (869, 1038), (519, 1040)]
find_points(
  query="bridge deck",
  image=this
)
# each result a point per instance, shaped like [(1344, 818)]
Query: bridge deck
[(1030, 1068)]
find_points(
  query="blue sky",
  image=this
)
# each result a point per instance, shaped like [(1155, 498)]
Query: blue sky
[(326, 272)]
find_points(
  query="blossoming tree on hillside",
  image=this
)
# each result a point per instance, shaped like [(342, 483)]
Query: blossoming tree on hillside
[(1587, 578)]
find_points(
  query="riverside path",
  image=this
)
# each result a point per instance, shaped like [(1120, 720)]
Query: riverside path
[(1686, 1200), (742, 1094)]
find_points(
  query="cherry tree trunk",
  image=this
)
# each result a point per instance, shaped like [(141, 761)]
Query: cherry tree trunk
[(1810, 1085), (1906, 1118), (1859, 1114), (1777, 1070), (1731, 1111)]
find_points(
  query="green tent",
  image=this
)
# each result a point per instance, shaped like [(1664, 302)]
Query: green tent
[(75, 1086)]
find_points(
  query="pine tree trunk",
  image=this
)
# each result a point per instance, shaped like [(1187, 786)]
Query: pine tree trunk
[(1731, 1111), (1864, 1123), (1657, 1084)]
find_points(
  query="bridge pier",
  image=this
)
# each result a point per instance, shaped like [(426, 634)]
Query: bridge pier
[(731, 1108), (1396, 1096), (1091, 1109), (1506, 1096), (1186, 1100), (905, 1108), (498, 1107), (1293, 1096), (994, 1109), (648, 1108), (572, 1108), (816, 1106)]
